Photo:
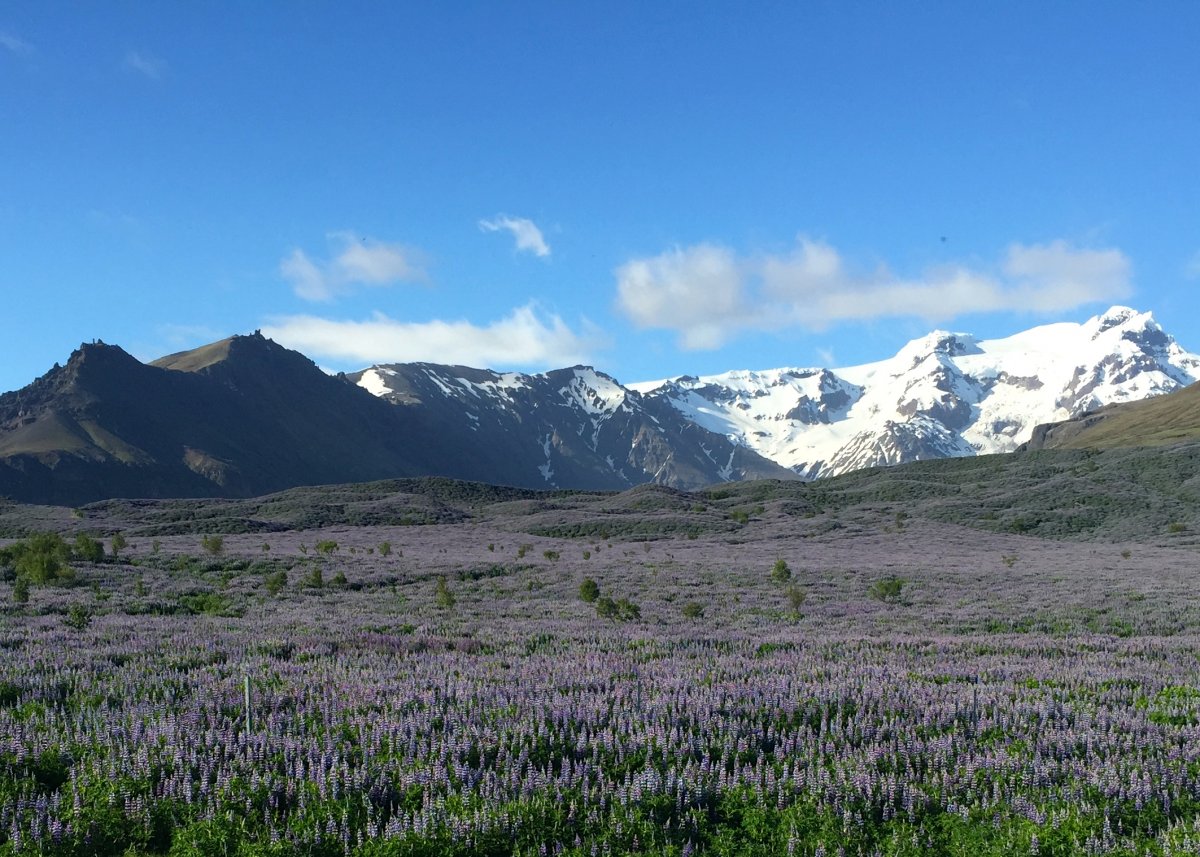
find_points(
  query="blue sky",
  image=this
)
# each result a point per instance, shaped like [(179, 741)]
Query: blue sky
[(656, 189)]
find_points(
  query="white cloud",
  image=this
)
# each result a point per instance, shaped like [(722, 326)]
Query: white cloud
[(528, 237), (524, 338), (145, 64), (707, 294), (11, 43), (1056, 276), (699, 291), (359, 262)]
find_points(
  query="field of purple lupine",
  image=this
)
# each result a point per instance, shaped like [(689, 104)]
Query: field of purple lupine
[(874, 685)]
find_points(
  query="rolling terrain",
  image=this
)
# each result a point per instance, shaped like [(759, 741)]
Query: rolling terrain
[(433, 666), (1162, 421)]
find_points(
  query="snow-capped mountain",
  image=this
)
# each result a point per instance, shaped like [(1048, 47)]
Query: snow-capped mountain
[(573, 427), (945, 394)]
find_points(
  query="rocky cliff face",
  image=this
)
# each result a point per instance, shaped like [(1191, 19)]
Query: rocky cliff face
[(566, 428)]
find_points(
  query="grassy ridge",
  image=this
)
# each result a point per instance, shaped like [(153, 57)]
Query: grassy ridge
[(1143, 495)]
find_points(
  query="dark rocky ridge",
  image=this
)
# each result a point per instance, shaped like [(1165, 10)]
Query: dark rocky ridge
[(244, 417)]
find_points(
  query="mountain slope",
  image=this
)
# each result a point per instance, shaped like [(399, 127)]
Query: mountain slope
[(1169, 419), (246, 415), (571, 427), (943, 395)]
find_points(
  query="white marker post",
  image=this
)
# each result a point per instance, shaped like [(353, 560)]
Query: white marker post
[(246, 695)]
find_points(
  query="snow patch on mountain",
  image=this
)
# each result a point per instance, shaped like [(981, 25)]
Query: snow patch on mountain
[(944, 394), (373, 381)]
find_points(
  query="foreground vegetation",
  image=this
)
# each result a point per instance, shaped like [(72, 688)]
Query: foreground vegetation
[(885, 687)]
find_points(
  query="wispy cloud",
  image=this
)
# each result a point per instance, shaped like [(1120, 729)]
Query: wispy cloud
[(524, 231), (708, 294), (14, 45), (1192, 269), (187, 335), (144, 64), (357, 262), (525, 338)]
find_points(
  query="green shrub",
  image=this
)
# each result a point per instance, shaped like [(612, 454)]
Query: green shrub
[(780, 573), (78, 617), (40, 559), (214, 545), (20, 593), (315, 579), (693, 610), (118, 543), (385, 548), (550, 555), (628, 611), (339, 579), (442, 594), (522, 550), (606, 608), (206, 603), (88, 549), (276, 581), (888, 589), (796, 598), (326, 547), (589, 590)]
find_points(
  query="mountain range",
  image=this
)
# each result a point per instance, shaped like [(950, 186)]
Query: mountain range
[(941, 396), (245, 416)]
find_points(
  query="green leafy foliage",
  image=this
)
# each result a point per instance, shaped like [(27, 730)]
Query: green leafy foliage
[(88, 549), (622, 609), (40, 559), (213, 545), (275, 581), (889, 590), (589, 590), (442, 594), (780, 572), (315, 578), (78, 617)]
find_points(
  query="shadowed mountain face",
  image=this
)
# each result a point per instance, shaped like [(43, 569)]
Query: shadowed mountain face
[(245, 416), (567, 428), (231, 419), (1169, 419)]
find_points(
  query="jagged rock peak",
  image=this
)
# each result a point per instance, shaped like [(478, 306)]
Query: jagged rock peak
[(938, 342), (1120, 316)]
